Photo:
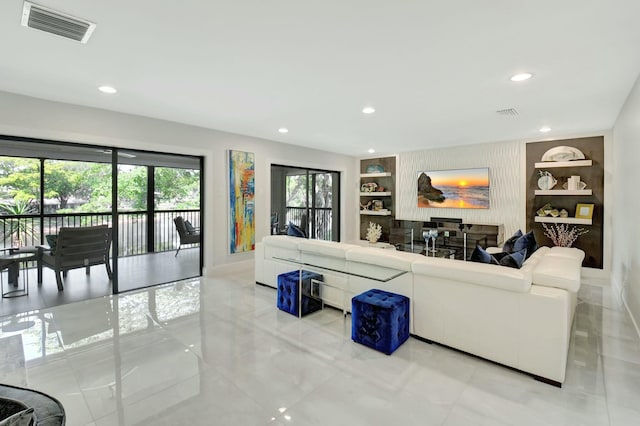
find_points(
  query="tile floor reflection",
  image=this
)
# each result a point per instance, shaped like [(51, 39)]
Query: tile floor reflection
[(217, 351)]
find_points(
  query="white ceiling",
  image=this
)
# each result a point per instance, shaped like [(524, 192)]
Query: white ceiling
[(436, 71)]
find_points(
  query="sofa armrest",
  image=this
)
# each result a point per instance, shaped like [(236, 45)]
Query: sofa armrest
[(559, 272)]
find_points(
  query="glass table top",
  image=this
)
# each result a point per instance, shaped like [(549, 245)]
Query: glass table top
[(356, 269), (18, 256)]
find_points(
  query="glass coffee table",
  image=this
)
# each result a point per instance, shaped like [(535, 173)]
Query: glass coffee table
[(445, 253)]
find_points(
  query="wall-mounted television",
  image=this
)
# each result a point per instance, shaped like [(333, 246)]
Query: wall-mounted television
[(457, 189)]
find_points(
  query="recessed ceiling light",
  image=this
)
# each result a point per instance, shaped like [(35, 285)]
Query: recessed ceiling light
[(545, 129), (371, 150), (522, 77), (368, 110), (283, 130), (107, 89)]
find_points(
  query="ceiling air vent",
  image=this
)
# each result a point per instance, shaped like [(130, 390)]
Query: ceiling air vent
[(54, 22), (509, 112)]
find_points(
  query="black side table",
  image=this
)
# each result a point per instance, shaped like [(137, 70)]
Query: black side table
[(14, 289)]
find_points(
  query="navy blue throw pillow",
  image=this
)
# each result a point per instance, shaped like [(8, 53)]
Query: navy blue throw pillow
[(508, 245), (528, 242), (513, 260), (52, 240), (190, 229), (295, 231), (480, 255)]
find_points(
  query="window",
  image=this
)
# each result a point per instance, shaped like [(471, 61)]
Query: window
[(305, 196), (19, 201), (176, 189), (132, 187), (76, 186)]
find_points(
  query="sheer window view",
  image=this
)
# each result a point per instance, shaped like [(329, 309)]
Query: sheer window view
[(304, 198)]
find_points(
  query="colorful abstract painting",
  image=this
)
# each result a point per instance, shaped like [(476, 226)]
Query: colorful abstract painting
[(241, 201)]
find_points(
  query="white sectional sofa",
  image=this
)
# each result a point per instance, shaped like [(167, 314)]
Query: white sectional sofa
[(517, 317)]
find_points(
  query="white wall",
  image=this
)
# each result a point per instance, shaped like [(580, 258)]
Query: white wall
[(31, 117), (626, 228), (505, 161)]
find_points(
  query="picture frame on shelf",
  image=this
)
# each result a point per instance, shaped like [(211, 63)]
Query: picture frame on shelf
[(584, 211)]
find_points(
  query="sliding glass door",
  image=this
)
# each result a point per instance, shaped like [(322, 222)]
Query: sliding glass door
[(306, 198), (49, 186), (159, 222)]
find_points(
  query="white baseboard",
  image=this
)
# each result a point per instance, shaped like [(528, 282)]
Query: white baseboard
[(617, 288)]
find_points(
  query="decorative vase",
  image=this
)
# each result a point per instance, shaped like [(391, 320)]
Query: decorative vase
[(546, 181)]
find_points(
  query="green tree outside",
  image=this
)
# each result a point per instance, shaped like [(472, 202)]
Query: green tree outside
[(89, 184)]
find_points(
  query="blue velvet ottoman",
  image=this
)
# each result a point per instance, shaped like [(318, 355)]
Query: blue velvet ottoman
[(288, 292), (380, 320)]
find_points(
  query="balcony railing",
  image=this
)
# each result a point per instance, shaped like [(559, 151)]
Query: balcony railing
[(321, 222), (26, 230)]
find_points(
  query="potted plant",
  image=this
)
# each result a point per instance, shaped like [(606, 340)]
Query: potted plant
[(16, 229)]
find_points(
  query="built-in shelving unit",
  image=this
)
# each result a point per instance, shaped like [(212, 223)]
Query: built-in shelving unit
[(375, 212), (382, 200), (591, 172), (563, 192), (375, 175), (376, 194), (570, 220), (554, 164)]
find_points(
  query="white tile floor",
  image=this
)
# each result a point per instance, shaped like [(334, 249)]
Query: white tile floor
[(217, 351)]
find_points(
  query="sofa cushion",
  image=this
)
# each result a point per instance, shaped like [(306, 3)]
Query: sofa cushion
[(281, 241), (507, 247), (570, 252), (326, 248), (530, 264), (474, 273), (557, 271), (380, 257)]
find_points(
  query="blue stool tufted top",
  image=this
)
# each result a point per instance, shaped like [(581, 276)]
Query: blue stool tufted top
[(380, 298)]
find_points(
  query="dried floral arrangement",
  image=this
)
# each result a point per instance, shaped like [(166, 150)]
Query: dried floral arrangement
[(374, 232), (562, 234)]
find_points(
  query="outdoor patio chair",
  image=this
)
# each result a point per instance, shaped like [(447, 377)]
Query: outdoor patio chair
[(187, 236), (77, 248)]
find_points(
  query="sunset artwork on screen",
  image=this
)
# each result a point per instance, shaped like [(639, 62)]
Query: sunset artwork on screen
[(461, 189)]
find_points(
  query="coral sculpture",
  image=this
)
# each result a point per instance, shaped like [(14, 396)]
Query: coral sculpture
[(562, 234), (374, 232)]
